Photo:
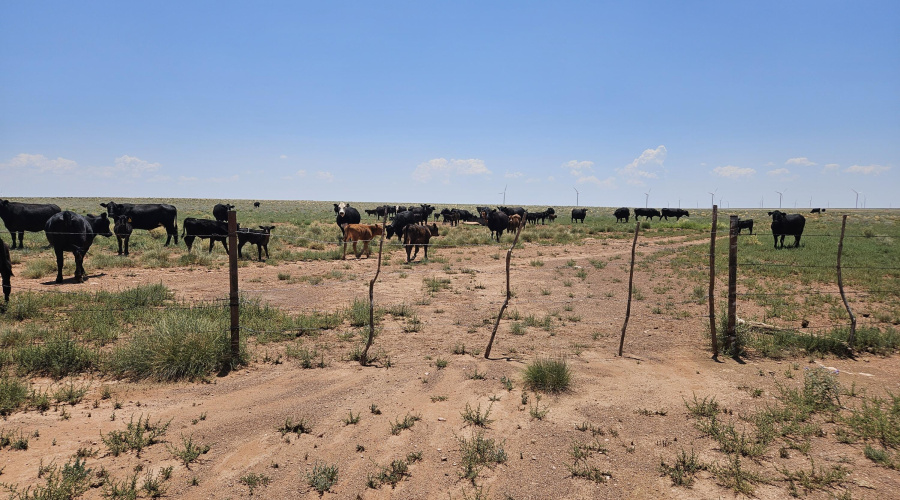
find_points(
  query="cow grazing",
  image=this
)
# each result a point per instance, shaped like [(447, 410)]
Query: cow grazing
[(70, 232), (622, 214), (5, 270), (21, 217), (579, 214), (205, 228), (371, 212), (147, 216), (345, 214), (401, 220), (817, 211), (520, 211), (497, 221), (122, 229), (258, 237), (647, 213), (674, 212), (745, 224), (415, 235), (220, 211), (361, 232), (255, 204), (787, 225)]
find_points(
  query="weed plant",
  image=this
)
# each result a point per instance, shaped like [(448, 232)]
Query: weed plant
[(547, 375), (322, 477)]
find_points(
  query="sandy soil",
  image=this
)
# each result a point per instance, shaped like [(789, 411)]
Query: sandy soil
[(638, 399)]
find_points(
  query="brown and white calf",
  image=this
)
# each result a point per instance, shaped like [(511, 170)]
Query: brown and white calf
[(360, 232)]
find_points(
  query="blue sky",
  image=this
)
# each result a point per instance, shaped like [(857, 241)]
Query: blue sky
[(451, 102)]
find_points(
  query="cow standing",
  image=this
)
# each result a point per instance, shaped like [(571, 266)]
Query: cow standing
[(622, 214), (258, 237), (147, 216), (416, 236), (647, 213), (220, 211), (21, 217), (497, 221), (346, 215), (787, 225), (122, 229), (678, 213), (5, 270), (70, 232), (579, 214), (361, 232), (205, 228)]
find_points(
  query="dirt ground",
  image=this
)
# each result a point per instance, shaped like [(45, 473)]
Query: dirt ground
[(638, 399)]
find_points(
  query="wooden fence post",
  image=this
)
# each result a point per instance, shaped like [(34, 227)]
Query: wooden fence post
[(852, 338), (233, 297), (712, 281), (487, 350), (637, 229), (364, 357), (732, 286)]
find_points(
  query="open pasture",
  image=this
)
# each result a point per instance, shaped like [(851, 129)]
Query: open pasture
[(146, 338)]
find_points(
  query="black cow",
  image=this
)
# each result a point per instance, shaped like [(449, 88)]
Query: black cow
[(513, 211), (674, 212), (401, 220), (5, 270), (465, 215), (817, 211), (648, 213), (205, 228), (21, 217), (622, 214), (220, 211), (497, 221), (147, 216), (415, 235), (422, 212), (579, 214), (255, 204), (372, 212), (258, 237), (745, 224), (346, 215), (70, 232), (122, 229), (787, 224)]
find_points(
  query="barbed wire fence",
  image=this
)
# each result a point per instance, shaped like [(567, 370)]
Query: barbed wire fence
[(238, 298)]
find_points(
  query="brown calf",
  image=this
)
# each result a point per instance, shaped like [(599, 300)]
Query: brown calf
[(415, 235), (514, 221), (360, 232)]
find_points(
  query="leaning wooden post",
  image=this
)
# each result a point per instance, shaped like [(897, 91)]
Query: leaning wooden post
[(732, 286), (233, 298), (852, 338), (637, 229), (487, 351), (364, 357), (712, 281)]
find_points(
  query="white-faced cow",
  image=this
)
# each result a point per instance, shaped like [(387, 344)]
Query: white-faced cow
[(787, 225), (147, 216), (70, 232), (5, 270), (21, 217), (345, 214)]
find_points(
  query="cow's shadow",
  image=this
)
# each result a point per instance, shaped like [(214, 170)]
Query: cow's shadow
[(71, 280)]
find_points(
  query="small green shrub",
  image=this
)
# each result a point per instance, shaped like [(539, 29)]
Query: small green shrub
[(322, 477), (547, 375)]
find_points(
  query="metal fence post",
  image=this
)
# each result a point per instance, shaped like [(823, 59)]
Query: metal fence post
[(712, 281)]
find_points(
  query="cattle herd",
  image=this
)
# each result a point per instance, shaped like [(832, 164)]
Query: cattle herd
[(67, 231)]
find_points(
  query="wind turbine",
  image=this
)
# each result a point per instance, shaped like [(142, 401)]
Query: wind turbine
[(780, 194), (647, 198), (712, 197), (504, 194), (857, 196), (576, 195)]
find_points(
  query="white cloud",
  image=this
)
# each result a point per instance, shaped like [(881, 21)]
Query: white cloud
[(134, 165), (283, 157), (639, 169), (732, 172), (609, 182), (40, 163), (513, 175), (801, 161), (444, 169), (779, 172), (578, 168), (832, 166), (866, 169), (325, 176)]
